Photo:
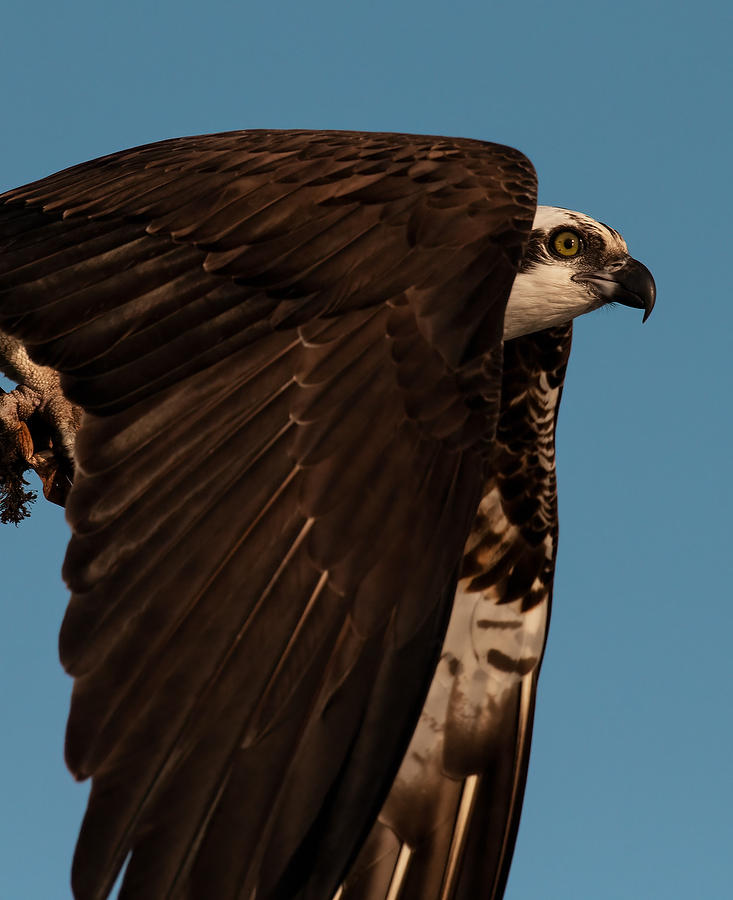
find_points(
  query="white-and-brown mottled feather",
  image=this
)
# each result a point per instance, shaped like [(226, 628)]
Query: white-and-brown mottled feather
[(447, 829)]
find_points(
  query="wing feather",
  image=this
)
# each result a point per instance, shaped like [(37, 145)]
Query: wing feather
[(288, 349), (448, 827)]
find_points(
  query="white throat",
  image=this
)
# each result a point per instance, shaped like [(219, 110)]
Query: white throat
[(544, 298)]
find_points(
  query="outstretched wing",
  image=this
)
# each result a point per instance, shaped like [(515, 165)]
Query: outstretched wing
[(448, 827), (288, 349)]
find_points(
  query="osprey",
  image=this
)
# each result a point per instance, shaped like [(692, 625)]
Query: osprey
[(305, 385)]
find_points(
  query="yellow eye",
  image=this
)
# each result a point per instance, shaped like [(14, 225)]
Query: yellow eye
[(565, 243)]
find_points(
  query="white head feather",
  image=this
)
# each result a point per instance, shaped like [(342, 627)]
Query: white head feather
[(544, 294)]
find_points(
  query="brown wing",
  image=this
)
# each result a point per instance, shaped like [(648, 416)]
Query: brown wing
[(288, 348), (448, 827)]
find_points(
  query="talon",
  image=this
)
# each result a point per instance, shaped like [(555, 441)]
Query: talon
[(38, 427), (37, 433), (56, 482)]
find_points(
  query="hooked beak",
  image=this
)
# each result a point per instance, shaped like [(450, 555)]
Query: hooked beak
[(629, 283)]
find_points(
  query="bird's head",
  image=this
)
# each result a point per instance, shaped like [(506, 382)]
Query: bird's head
[(573, 265)]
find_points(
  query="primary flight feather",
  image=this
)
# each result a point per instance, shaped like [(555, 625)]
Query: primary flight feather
[(298, 392)]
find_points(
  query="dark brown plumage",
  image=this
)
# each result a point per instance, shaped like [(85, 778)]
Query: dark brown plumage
[(288, 347), (460, 818)]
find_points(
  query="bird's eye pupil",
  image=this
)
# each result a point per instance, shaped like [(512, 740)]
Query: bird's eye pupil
[(569, 243)]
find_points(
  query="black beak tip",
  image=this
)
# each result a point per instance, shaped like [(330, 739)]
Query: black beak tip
[(641, 281), (649, 295)]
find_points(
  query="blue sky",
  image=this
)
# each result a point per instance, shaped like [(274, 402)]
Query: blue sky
[(624, 109)]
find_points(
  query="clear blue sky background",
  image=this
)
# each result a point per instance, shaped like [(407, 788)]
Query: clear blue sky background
[(625, 110)]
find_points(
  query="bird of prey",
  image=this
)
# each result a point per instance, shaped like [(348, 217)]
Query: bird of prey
[(298, 391)]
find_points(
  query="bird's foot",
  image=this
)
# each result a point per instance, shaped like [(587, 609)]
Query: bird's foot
[(16, 452), (30, 438)]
